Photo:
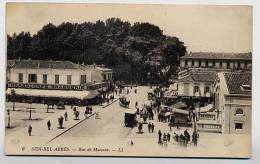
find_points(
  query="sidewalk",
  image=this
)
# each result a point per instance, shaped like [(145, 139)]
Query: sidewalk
[(40, 133)]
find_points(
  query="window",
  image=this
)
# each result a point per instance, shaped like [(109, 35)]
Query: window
[(44, 79), (245, 64), (57, 79), (245, 87), (238, 126), (238, 65), (196, 89), (228, 64), (104, 77), (239, 111), (220, 64), (32, 78), (192, 63), (83, 79), (207, 63), (68, 79), (206, 89), (20, 77)]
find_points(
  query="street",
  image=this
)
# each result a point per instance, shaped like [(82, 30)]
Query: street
[(110, 127)]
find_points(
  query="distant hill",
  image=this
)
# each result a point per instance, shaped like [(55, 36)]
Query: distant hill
[(135, 52)]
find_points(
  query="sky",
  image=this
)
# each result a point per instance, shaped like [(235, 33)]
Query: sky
[(201, 27)]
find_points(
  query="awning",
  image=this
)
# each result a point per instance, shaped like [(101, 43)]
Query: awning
[(179, 105), (51, 93), (91, 94), (208, 108), (175, 110)]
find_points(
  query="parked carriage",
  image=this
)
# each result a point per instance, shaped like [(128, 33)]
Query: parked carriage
[(123, 102), (130, 118)]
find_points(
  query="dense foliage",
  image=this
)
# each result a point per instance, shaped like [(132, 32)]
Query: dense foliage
[(136, 52)]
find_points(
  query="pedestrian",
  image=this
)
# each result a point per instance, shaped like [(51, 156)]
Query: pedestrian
[(132, 143), (71, 106), (187, 136), (176, 137), (149, 127), (195, 138), (159, 137), (182, 139), (30, 130), (107, 100), (152, 127), (140, 127), (168, 137), (66, 116), (164, 139), (178, 124), (49, 124), (60, 121), (152, 114), (136, 103)]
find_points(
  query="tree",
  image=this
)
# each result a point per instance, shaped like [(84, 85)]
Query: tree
[(128, 49)]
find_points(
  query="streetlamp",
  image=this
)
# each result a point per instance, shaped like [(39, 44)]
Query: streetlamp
[(13, 98), (8, 114)]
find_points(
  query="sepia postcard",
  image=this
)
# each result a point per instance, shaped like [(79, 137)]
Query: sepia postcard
[(138, 80)]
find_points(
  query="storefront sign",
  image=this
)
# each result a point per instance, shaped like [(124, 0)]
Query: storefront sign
[(55, 86)]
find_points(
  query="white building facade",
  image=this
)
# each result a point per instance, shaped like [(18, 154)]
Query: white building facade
[(195, 84), (57, 73), (56, 80), (237, 61), (233, 102)]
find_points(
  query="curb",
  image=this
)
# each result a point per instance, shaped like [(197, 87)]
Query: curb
[(70, 128), (110, 103)]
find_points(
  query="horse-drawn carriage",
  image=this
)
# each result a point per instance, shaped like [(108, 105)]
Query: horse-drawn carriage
[(123, 102)]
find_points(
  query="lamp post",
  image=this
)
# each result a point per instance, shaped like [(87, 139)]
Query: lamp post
[(8, 115), (13, 98)]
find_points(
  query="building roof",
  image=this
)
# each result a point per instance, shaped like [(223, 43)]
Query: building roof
[(214, 55), (236, 80), (197, 76), (45, 64)]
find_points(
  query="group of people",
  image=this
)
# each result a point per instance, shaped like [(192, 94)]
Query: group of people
[(64, 117), (164, 138), (185, 138), (150, 127), (181, 139)]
